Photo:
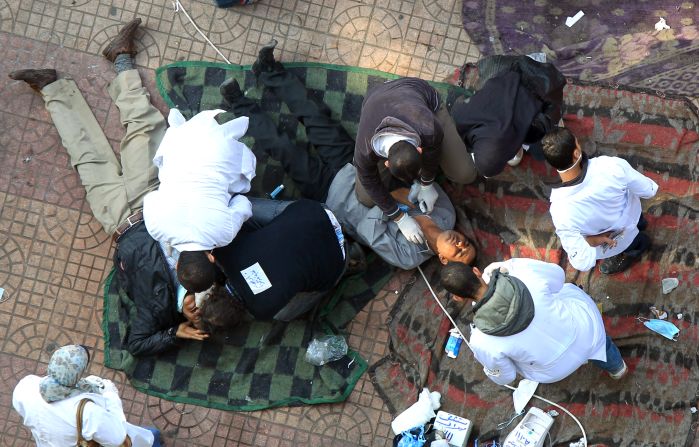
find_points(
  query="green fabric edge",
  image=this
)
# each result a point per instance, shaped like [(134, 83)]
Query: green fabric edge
[(351, 381), (105, 320), (184, 64)]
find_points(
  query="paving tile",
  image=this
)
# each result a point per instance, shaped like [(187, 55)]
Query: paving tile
[(54, 256)]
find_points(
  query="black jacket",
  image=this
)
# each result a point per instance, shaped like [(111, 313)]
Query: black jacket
[(298, 251), (413, 102), (144, 274)]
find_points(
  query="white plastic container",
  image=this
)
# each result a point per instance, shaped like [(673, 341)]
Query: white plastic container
[(531, 431), (456, 429)]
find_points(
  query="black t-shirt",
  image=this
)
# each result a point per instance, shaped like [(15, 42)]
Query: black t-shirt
[(296, 252)]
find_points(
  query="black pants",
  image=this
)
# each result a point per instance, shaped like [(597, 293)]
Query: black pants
[(312, 172)]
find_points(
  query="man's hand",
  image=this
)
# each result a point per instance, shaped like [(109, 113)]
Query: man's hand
[(600, 239), (191, 311), (426, 197), (410, 229), (186, 330)]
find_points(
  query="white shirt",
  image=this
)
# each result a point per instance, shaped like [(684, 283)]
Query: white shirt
[(53, 424), (382, 143), (566, 331), (202, 170), (607, 199)]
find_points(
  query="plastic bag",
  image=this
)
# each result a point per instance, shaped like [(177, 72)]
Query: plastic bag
[(327, 348)]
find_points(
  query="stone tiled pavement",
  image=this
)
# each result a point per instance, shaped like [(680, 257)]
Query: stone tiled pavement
[(54, 255)]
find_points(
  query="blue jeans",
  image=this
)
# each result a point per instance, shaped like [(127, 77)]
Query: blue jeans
[(156, 436), (614, 362)]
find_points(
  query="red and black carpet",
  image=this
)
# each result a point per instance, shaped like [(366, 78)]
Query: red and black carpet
[(508, 217)]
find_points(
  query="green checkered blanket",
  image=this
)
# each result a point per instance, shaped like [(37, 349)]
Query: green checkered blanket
[(235, 371)]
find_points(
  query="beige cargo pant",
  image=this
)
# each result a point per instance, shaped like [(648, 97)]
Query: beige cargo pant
[(115, 190)]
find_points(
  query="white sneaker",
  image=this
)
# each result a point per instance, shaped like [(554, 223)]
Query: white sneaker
[(517, 158), (621, 373)]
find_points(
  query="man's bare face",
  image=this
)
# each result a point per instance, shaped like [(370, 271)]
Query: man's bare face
[(453, 246)]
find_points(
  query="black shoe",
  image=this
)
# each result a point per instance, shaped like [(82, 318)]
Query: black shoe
[(626, 259), (265, 59), (37, 79), (356, 260), (642, 223), (230, 90)]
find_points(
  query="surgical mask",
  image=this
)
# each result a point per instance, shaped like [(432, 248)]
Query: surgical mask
[(574, 165), (664, 328)]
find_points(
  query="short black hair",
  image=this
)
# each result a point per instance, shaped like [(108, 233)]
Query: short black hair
[(404, 161), (559, 145), (195, 271), (459, 279), (220, 311)]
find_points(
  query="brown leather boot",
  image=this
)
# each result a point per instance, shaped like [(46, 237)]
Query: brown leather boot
[(123, 43), (37, 79)]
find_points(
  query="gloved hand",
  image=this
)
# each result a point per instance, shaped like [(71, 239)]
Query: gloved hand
[(410, 229), (488, 271), (426, 197)]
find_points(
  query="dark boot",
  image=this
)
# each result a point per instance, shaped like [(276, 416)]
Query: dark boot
[(37, 79), (123, 43), (624, 260), (356, 259), (230, 90), (265, 59)]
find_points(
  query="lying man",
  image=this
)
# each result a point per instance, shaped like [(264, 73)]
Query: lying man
[(404, 134), (115, 190), (330, 177), (596, 208), (528, 321)]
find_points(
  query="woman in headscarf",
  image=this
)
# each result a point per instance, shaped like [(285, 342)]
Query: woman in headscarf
[(49, 405), (518, 103)]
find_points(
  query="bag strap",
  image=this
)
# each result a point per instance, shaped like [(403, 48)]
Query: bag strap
[(79, 419)]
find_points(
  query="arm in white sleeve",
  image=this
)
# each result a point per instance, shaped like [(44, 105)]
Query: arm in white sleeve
[(638, 183), (582, 256), (241, 210), (549, 275), (499, 368), (102, 426)]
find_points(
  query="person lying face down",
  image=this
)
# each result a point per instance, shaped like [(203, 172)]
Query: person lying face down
[(328, 175)]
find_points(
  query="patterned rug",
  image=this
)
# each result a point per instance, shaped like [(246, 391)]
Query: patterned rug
[(234, 372), (614, 42), (508, 217)]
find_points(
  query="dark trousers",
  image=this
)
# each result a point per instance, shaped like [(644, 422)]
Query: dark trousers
[(312, 172)]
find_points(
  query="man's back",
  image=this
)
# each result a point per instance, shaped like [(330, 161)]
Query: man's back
[(607, 198), (296, 252), (566, 331)]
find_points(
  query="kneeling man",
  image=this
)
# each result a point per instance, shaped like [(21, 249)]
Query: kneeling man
[(528, 321)]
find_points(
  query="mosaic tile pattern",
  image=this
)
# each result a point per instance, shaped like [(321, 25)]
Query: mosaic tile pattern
[(54, 256)]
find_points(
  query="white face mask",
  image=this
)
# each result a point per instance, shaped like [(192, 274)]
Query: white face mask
[(574, 165)]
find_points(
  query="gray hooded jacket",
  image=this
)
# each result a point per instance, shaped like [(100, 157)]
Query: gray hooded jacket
[(506, 309)]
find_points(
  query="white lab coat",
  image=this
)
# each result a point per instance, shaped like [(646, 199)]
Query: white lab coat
[(203, 169), (608, 199), (567, 330), (53, 424)]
